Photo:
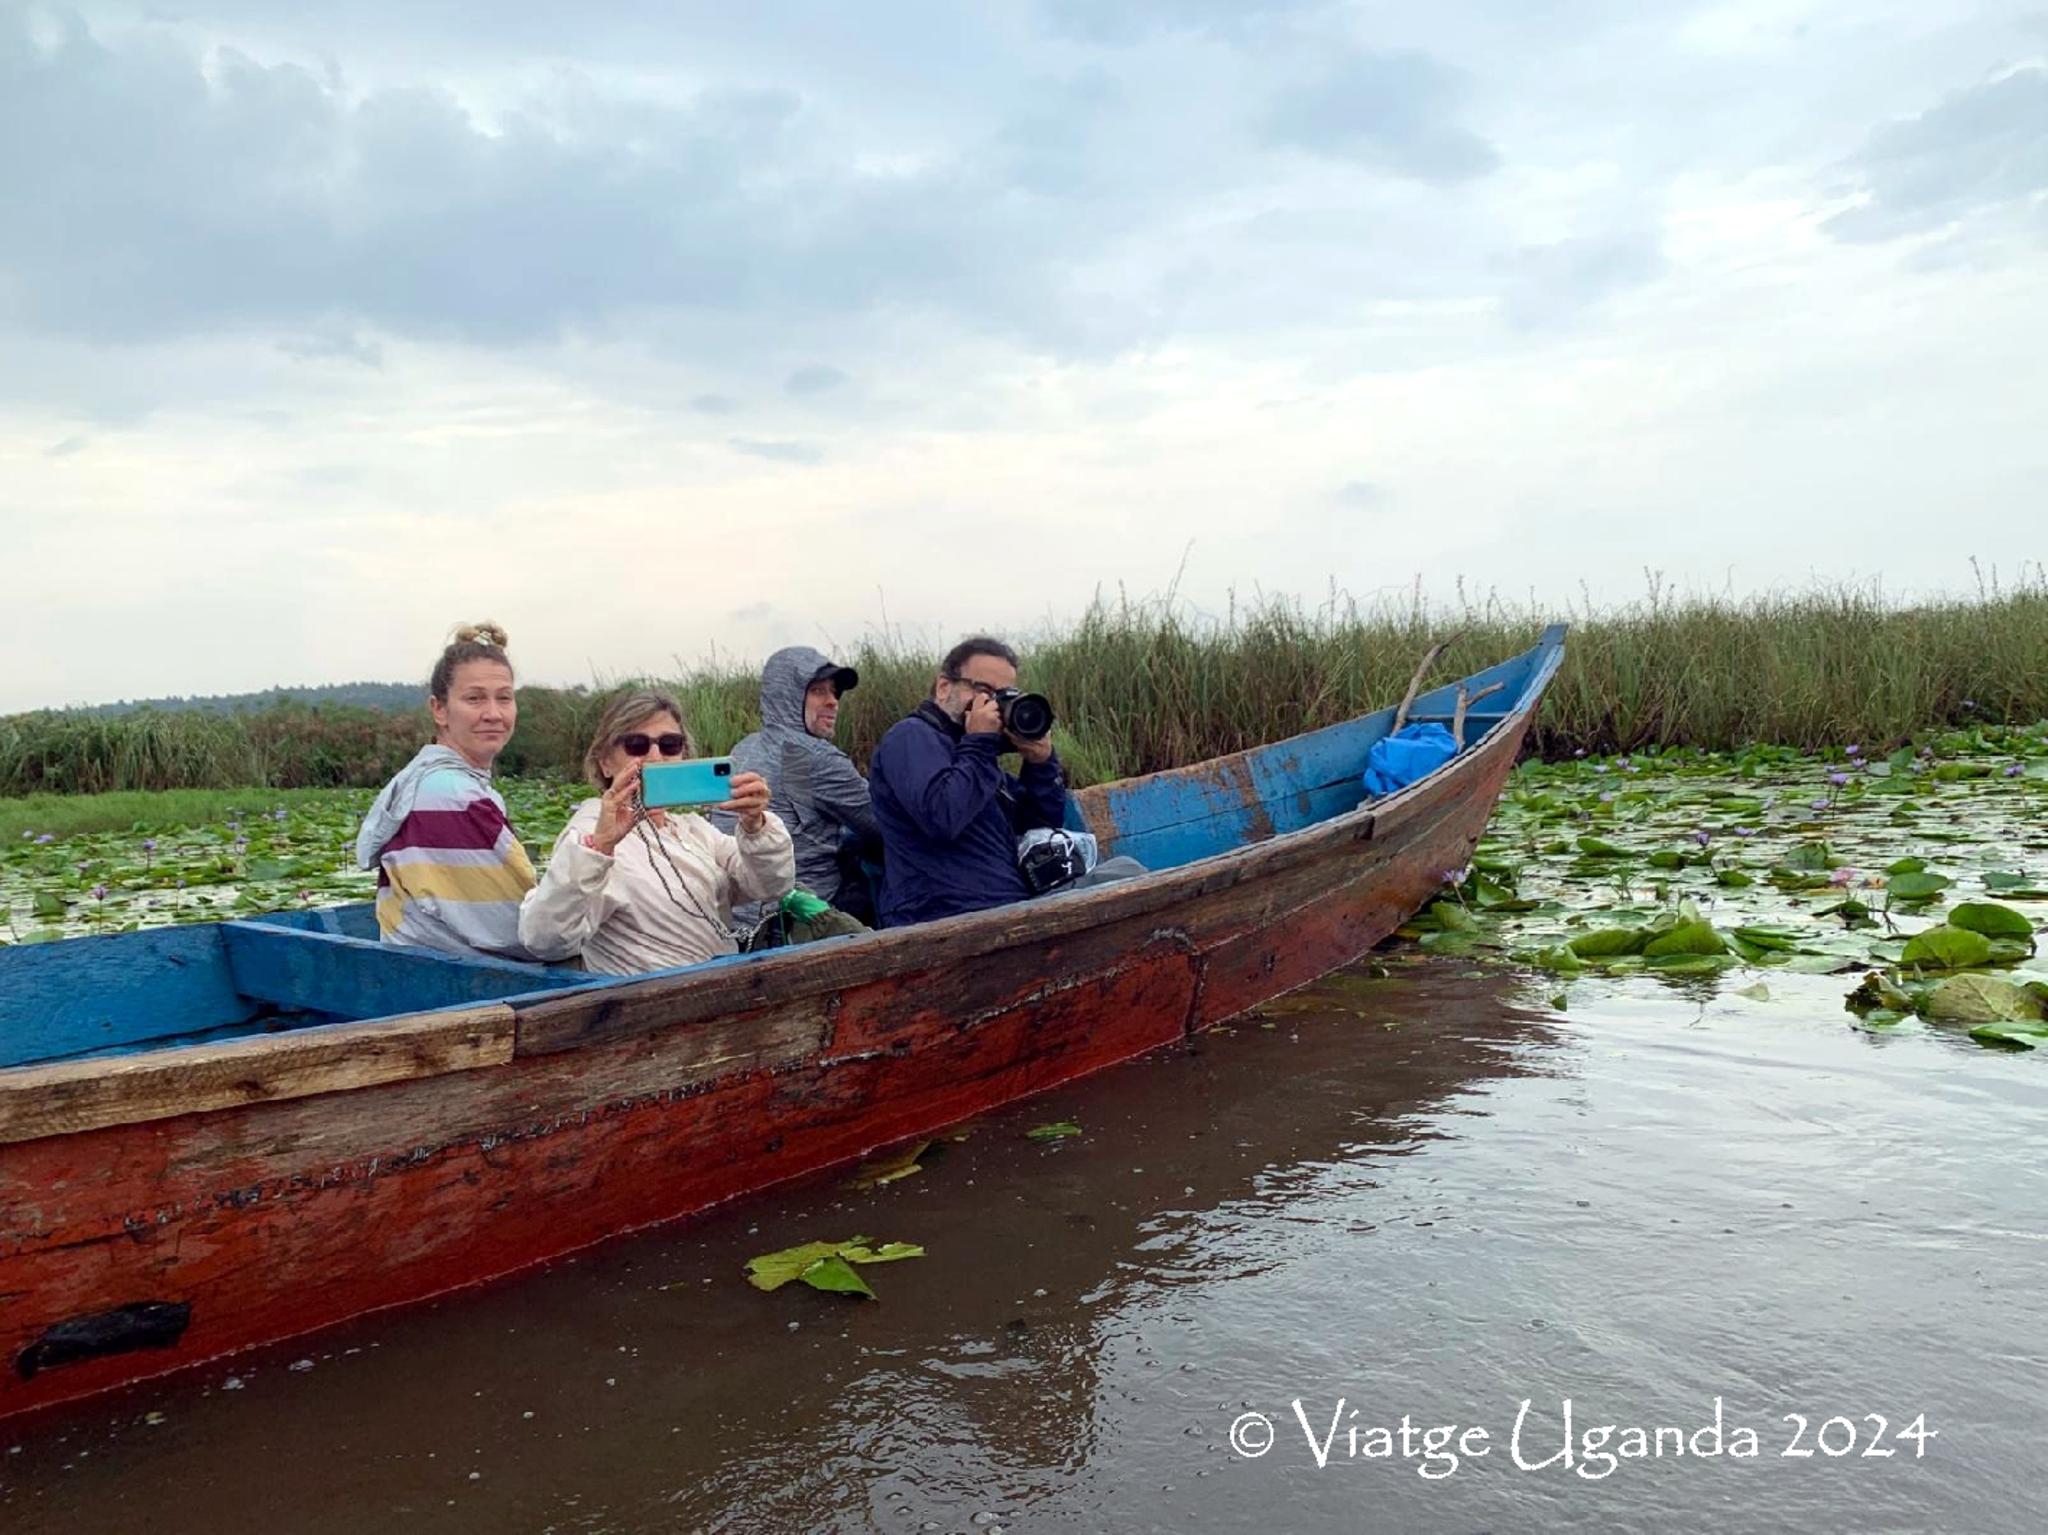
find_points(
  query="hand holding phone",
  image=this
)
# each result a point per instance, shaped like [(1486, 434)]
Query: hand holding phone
[(618, 810), (695, 783), (749, 800)]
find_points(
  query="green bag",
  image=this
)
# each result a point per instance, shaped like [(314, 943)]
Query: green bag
[(801, 917)]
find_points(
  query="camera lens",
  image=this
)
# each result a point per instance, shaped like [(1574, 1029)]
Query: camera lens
[(1027, 716)]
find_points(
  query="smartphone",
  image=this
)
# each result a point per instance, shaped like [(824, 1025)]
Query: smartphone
[(693, 781)]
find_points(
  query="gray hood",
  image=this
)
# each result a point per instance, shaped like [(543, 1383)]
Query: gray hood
[(816, 790), (785, 678), (389, 810)]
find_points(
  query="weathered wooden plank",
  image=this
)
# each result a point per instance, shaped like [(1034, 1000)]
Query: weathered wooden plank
[(360, 978), (95, 993), (579, 1019), (70, 1097), (255, 1222)]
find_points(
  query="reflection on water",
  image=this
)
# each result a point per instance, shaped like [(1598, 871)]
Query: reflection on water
[(1417, 1198)]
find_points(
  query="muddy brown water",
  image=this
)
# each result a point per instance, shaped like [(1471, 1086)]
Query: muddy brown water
[(1432, 1199)]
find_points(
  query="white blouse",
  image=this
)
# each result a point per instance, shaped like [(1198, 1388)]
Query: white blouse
[(664, 897)]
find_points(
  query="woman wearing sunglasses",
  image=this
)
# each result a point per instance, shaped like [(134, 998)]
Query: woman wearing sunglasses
[(630, 889)]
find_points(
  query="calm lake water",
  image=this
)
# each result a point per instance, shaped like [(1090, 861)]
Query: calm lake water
[(1434, 1198)]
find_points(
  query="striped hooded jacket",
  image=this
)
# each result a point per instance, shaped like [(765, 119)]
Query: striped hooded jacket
[(450, 874)]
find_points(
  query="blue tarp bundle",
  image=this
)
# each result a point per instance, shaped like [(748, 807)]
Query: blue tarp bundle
[(1413, 752)]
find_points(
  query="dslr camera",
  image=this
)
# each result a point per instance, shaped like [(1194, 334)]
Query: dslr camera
[(1027, 716)]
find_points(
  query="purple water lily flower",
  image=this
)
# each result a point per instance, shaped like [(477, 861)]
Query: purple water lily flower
[(149, 844), (1842, 877), (1580, 752), (2014, 769), (1820, 804), (1703, 836), (46, 837), (241, 844), (1599, 767), (1838, 779), (1853, 749), (99, 892), (1454, 876), (1606, 796), (1745, 831)]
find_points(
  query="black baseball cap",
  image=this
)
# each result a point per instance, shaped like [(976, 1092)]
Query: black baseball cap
[(843, 678)]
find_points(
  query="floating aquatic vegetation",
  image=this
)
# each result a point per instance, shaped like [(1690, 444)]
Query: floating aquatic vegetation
[(826, 1265), (897, 1165), (1058, 1130), (274, 851), (1701, 864)]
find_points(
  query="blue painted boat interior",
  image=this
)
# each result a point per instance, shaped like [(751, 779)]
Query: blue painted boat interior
[(221, 980), (1169, 819)]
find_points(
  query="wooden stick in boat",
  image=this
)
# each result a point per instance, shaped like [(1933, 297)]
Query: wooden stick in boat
[(1465, 701), (1415, 683)]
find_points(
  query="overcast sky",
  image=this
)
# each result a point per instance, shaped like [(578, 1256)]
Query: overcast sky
[(647, 327)]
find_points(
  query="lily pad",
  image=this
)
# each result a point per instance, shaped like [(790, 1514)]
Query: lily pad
[(1916, 886), (1608, 941), (1453, 918), (1694, 937), (1947, 948), (2018, 1036), (1978, 998), (1990, 919)]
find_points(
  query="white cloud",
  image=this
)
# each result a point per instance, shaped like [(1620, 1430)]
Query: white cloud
[(319, 332)]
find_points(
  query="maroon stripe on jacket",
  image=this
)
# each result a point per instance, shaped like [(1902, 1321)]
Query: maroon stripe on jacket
[(473, 829)]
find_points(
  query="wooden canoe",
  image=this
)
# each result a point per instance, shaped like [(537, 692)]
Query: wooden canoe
[(220, 1135)]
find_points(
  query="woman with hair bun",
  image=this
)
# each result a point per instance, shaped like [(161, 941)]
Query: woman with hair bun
[(450, 874)]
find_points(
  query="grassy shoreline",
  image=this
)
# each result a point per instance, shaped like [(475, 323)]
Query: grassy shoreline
[(1142, 687)]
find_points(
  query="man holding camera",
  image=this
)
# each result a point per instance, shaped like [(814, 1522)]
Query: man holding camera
[(950, 816)]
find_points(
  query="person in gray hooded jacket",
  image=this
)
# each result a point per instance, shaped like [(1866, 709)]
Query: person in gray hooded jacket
[(817, 791)]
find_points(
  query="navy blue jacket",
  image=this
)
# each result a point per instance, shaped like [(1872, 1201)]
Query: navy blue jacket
[(950, 817)]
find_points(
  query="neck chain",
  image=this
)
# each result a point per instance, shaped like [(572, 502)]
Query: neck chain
[(657, 854)]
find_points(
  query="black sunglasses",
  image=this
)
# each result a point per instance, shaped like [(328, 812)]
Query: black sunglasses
[(636, 744)]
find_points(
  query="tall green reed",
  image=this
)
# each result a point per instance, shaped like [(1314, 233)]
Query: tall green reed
[(1141, 686)]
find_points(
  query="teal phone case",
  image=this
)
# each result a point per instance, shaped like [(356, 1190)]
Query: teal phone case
[(698, 781)]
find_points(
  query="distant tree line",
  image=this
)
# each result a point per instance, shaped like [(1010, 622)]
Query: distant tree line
[(385, 697)]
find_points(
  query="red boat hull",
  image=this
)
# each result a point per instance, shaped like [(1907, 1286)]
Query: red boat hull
[(270, 1219)]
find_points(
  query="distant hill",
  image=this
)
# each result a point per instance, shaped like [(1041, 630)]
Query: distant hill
[(388, 697)]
